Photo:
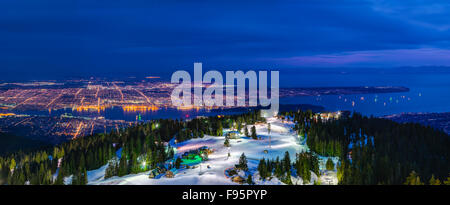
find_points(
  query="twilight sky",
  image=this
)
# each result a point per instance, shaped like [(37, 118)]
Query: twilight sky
[(77, 37)]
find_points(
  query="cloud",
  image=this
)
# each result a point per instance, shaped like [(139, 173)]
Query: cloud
[(106, 36), (378, 58)]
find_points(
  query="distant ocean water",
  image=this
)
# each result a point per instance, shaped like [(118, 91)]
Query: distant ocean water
[(428, 92)]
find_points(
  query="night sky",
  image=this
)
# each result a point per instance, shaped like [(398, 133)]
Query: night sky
[(87, 37)]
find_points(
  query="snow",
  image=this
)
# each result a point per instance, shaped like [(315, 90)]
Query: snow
[(282, 139), (97, 174), (68, 180), (328, 178)]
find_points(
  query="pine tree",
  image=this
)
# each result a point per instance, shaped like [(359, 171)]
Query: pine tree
[(242, 163), (84, 177), (434, 181), (123, 168), (60, 177), (227, 142), (219, 129), (287, 178), (330, 164), (413, 179), (246, 132), (112, 169), (340, 171), (262, 169), (178, 162), (254, 136), (82, 162), (278, 168), (447, 182), (286, 162), (133, 165), (75, 180), (249, 179), (12, 165)]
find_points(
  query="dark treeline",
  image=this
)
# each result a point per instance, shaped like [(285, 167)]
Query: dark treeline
[(283, 169), (10, 142), (377, 151), (143, 147)]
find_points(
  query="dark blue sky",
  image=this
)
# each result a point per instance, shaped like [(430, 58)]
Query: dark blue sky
[(78, 37)]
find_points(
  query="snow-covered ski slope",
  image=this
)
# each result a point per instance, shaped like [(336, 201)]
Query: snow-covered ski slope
[(211, 172)]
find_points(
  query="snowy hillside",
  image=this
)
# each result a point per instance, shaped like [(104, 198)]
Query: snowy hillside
[(212, 171)]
